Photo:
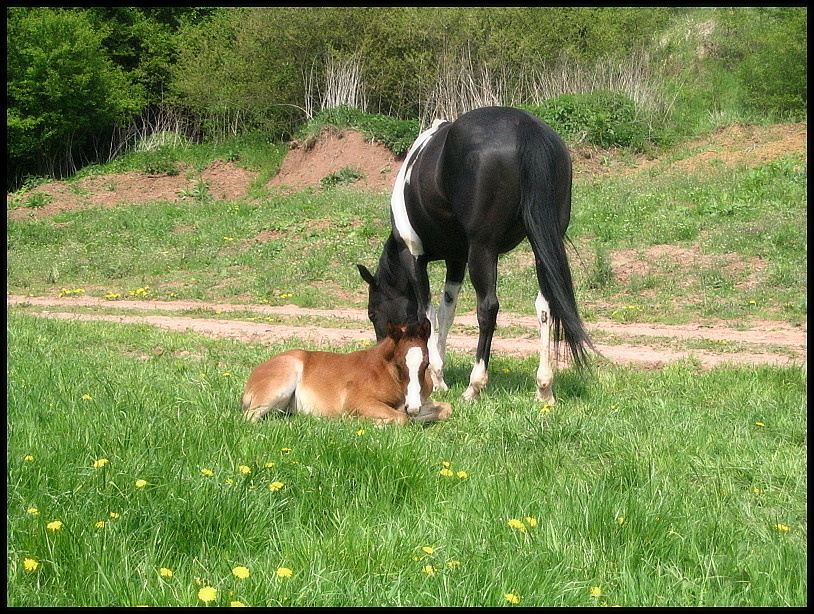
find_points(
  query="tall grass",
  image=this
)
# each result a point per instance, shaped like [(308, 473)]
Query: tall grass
[(640, 488)]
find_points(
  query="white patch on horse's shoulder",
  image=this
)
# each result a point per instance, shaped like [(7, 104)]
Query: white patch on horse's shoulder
[(436, 123), (398, 203)]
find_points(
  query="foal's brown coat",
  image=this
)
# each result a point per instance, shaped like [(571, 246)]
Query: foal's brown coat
[(370, 383)]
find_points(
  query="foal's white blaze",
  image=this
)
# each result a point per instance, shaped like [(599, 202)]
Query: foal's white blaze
[(413, 359), (441, 320), (545, 376), (398, 206)]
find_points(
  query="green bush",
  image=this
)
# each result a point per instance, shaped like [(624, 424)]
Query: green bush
[(395, 134), (602, 118)]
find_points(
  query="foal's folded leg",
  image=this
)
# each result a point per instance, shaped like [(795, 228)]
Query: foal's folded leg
[(432, 412), (271, 387), (381, 412)]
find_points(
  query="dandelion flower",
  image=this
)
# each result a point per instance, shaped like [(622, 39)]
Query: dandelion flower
[(595, 591), (446, 472), (28, 458), (276, 486), (30, 564), (284, 572), (33, 511), (462, 474), (512, 598), (100, 524), (428, 569), (285, 450), (361, 432), (207, 594), (781, 527), (114, 514), (531, 520), (446, 464), (453, 563), (269, 465), (620, 520), (759, 424), (241, 572), (141, 483), (164, 572), (428, 549), (517, 524), (100, 462), (244, 469), (226, 374), (237, 604), (55, 525), (207, 472), (87, 397)]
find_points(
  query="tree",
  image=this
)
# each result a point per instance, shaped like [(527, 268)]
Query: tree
[(62, 88)]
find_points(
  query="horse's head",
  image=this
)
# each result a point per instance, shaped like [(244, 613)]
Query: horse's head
[(411, 359), (391, 295)]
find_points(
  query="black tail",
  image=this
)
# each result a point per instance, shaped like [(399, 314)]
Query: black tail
[(545, 200)]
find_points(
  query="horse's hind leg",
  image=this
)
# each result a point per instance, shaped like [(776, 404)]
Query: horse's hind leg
[(483, 273), (271, 387), (545, 375)]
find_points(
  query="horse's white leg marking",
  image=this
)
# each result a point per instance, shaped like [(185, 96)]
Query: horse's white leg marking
[(441, 322), (398, 206), (413, 359), (477, 381), (545, 376)]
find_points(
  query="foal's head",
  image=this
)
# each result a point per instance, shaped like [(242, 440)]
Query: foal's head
[(411, 359)]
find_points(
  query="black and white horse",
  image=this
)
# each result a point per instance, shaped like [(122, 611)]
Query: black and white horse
[(468, 191)]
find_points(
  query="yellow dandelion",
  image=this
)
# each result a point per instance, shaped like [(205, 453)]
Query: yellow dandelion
[(759, 424), (531, 521), (513, 598), (276, 486), (114, 514), (514, 523), (244, 469), (141, 483), (782, 527), (30, 564), (269, 465), (361, 432), (28, 458), (237, 604), (453, 563), (284, 572), (428, 569), (446, 464), (100, 524), (241, 572), (207, 594), (86, 397), (546, 408), (54, 525), (285, 450), (447, 472), (428, 549), (100, 462), (33, 511), (595, 591), (165, 572), (207, 472), (620, 520), (226, 374), (462, 474)]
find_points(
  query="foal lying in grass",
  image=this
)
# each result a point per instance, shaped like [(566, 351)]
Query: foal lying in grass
[(387, 383)]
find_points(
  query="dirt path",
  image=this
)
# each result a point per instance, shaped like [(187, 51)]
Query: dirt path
[(765, 343)]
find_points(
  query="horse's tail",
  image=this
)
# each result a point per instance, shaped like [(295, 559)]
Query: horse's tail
[(545, 200)]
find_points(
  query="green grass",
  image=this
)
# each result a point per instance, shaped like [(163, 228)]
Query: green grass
[(663, 488)]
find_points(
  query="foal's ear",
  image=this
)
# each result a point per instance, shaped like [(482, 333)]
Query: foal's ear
[(395, 332), (366, 275), (424, 329)]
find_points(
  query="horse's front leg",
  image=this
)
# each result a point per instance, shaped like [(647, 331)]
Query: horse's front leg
[(442, 319), (483, 273)]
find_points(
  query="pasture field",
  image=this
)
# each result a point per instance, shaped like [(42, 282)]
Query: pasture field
[(134, 480), (677, 487)]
